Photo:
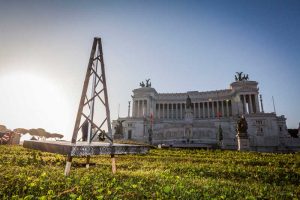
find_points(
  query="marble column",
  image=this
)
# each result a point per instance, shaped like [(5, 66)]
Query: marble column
[(138, 108), (133, 108), (256, 103), (194, 110), (230, 107), (147, 108), (168, 110), (218, 109), (251, 105), (163, 111), (181, 111), (177, 111), (199, 110), (142, 108), (172, 111), (203, 111), (213, 109), (159, 111), (227, 108), (223, 114), (208, 111), (244, 104), (247, 102)]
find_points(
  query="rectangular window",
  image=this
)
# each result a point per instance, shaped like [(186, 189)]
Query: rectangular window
[(260, 131), (260, 127)]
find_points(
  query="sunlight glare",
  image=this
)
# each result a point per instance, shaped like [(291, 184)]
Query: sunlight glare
[(34, 101)]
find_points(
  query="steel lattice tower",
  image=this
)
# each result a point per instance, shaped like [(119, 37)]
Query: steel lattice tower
[(95, 81)]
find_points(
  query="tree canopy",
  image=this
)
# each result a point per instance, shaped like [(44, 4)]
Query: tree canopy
[(39, 132)]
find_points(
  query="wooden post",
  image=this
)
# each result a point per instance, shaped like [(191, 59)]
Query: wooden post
[(68, 165), (113, 164), (88, 161)]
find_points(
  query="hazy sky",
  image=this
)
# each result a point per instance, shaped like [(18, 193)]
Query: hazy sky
[(180, 45)]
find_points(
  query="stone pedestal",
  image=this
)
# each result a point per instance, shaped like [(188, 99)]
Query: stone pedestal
[(188, 115), (243, 142), (221, 145)]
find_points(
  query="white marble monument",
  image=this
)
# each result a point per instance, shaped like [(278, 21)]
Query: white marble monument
[(174, 123)]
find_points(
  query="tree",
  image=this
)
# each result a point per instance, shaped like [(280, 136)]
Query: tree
[(56, 135), (21, 130)]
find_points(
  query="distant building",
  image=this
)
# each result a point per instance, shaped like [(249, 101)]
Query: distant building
[(162, 118)]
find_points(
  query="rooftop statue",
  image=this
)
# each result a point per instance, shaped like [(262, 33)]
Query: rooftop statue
[(142, 84), (241, 77), (148, 83)]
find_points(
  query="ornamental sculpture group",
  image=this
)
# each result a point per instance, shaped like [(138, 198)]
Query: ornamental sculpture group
[(240, 76), (119, 128), (148, 83), (242, 126)]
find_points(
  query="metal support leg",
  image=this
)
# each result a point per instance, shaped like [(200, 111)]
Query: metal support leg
[(88, 162), (113, 164), (68, 165)]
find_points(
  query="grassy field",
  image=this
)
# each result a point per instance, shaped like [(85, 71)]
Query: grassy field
[(160, 174)]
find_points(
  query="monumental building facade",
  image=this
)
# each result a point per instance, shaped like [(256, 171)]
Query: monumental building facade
[(204, 119)]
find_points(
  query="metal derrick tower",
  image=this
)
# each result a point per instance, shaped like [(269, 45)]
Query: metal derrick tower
[(95, 80), (93, 116)]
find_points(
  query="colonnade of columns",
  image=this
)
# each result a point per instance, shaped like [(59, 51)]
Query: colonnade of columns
[(140, 108), (209, 109), (249, 103)]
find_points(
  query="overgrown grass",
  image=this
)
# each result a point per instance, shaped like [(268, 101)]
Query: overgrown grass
[(160, 174)]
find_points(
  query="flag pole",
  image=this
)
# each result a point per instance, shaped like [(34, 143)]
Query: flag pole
[(274, 105)]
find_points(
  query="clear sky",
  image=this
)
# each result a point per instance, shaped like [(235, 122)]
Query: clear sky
[(180, 45)]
